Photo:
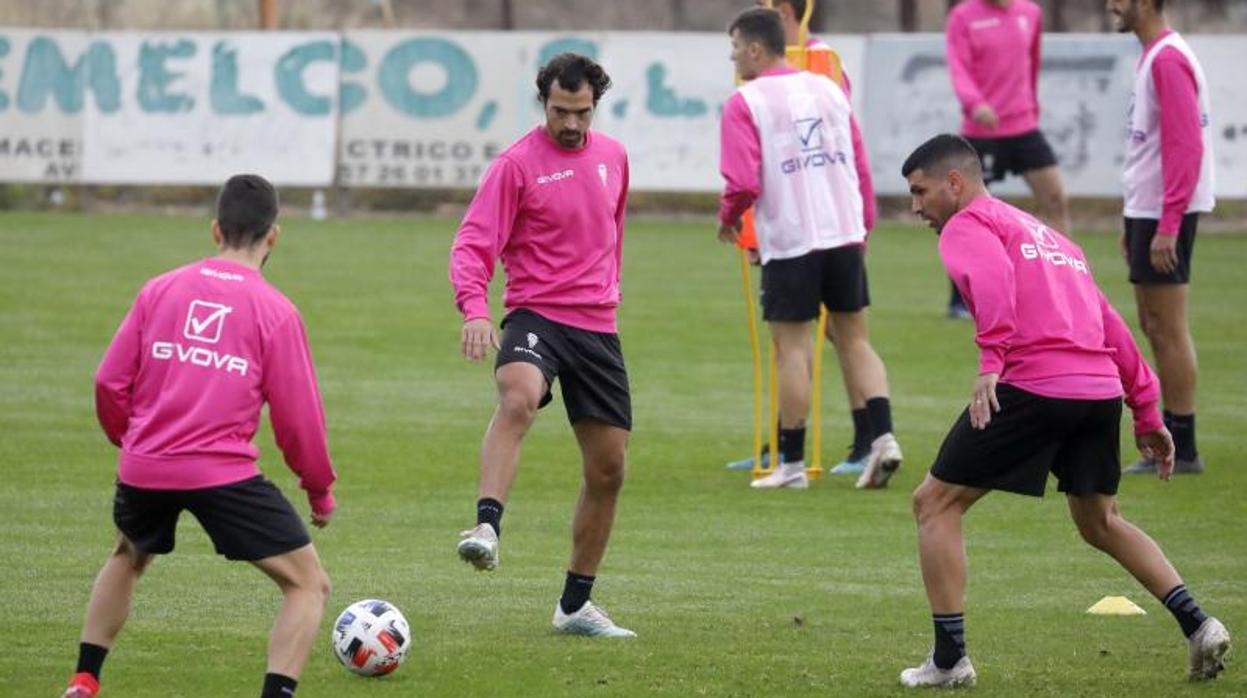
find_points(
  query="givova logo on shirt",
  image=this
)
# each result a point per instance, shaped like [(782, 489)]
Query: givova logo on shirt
[(556, 177), (204, 323), (813, 153), (1046, 247)]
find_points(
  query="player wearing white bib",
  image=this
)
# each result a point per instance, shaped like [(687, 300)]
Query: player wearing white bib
[(790, 147), (1167, 182)]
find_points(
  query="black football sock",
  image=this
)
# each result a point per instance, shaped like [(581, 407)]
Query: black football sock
[(950, 639), (489, 511), (880, 411), (91, 659), (1182, 426), (278, 686), (861, 434), (1183, 607), (792, 444), (576, 590)]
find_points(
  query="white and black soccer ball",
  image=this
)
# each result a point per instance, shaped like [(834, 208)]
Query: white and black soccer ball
[(371, 637)]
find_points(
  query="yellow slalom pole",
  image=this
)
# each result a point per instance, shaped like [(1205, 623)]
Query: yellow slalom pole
[(815, 469), (755, 345), (774, 413)]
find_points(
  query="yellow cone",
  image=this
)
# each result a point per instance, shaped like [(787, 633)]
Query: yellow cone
[(1116, 606)]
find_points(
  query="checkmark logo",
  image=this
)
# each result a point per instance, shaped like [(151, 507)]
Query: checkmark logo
[(810, 133), (204, 321)]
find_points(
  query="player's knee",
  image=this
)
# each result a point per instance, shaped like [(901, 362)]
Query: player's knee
[(788, 354), (607, 475), (137, 559), (923, 502), (517, 406), (313, 583), (1159, 332), (324, 587), (1054, 202), (1145, 321), (1096, 530)]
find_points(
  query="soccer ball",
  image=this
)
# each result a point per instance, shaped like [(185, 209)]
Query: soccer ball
[(371, 638)]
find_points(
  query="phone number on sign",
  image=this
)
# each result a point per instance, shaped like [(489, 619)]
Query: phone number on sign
[(409, 175)]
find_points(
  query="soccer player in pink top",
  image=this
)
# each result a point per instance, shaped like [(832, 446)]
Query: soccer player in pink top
[(179, 392), (993, 58), (1168, 178), (551, 207), (790, 144), (865, 376), (1054, 361)]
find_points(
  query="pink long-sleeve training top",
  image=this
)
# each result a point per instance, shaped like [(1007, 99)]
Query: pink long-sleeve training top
[(1042, 323), (740, 158), (182, 383), (993, 59), (555, 217)]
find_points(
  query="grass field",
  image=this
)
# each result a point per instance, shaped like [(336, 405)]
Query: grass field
[(733, 592)]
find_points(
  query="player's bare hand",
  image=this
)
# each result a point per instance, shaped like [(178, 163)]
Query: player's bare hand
[(1157, 447), (1164, 253), (729, 232), (985, 116), (321, 520), (1121, 247), (477, 337), (983, 403), (754, 258)]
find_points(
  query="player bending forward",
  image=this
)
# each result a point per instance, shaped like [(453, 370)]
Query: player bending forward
[(1054, 360)]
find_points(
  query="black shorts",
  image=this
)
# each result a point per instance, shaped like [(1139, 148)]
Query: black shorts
[(248, 520), (792, 289), (1031, 435), (589, 366), (1013, 154), (1139, 234)]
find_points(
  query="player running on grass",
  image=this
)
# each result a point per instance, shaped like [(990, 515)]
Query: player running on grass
[(551, 207), (791, 145), (1054, 361), (179, 391)]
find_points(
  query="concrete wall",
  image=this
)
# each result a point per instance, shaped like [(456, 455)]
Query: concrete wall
[(843, 16)]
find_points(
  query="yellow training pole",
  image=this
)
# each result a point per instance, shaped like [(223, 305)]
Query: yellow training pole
[(754, 344), (815, 469), (774, 416)]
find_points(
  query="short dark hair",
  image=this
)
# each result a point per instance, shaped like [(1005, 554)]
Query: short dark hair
[(572, 70), (1159, 5), (943, 153), (761, 24), (245, 210), (798, 7)]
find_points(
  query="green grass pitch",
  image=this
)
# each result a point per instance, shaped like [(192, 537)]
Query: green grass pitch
[(733, 592)]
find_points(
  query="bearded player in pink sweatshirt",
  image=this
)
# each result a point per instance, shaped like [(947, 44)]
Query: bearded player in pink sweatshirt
[(1054, 362), (551, 207), (179, 391)]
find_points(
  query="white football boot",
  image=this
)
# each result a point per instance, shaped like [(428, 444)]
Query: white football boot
[(589, 621), (479, 547), (884, 460), (790, 475), (1208, 647), (929, 675)]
